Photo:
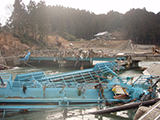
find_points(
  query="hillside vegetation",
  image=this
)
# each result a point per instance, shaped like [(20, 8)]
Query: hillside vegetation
[(37, 26)]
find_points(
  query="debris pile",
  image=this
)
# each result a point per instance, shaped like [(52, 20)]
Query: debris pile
[(155, 50)]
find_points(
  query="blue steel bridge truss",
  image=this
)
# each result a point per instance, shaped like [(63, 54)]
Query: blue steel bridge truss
[(92, 85)]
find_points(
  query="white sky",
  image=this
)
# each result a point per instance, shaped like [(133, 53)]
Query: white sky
[(96, 6)]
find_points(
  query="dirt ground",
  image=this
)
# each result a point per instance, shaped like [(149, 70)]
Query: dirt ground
[(9, 45)]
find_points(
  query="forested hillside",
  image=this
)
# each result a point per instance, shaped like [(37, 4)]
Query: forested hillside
[(35, 21)]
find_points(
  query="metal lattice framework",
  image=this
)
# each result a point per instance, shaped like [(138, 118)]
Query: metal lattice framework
[(68, 79)]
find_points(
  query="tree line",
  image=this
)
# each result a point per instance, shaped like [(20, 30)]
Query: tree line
[(35, 21)]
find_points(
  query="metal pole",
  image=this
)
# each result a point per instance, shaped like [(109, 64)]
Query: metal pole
[(126, 106)]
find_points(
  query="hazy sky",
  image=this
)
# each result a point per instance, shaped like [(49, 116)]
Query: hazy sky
[(96, 6)]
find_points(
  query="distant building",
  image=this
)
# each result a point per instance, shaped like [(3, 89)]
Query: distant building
[(105, 35)]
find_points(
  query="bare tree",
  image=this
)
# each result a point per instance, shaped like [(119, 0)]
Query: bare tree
[(9, 9)]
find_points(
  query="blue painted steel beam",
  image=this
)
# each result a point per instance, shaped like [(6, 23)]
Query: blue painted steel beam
[(8, 108), (48, 100), (72, 59)]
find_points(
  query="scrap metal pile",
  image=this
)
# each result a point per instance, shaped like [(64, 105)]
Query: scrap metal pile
[(66, 53)]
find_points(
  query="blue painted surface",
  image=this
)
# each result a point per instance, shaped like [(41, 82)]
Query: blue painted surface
[(43, 58), (26, 57), (73, 58), (121, 58), (84, 86)]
